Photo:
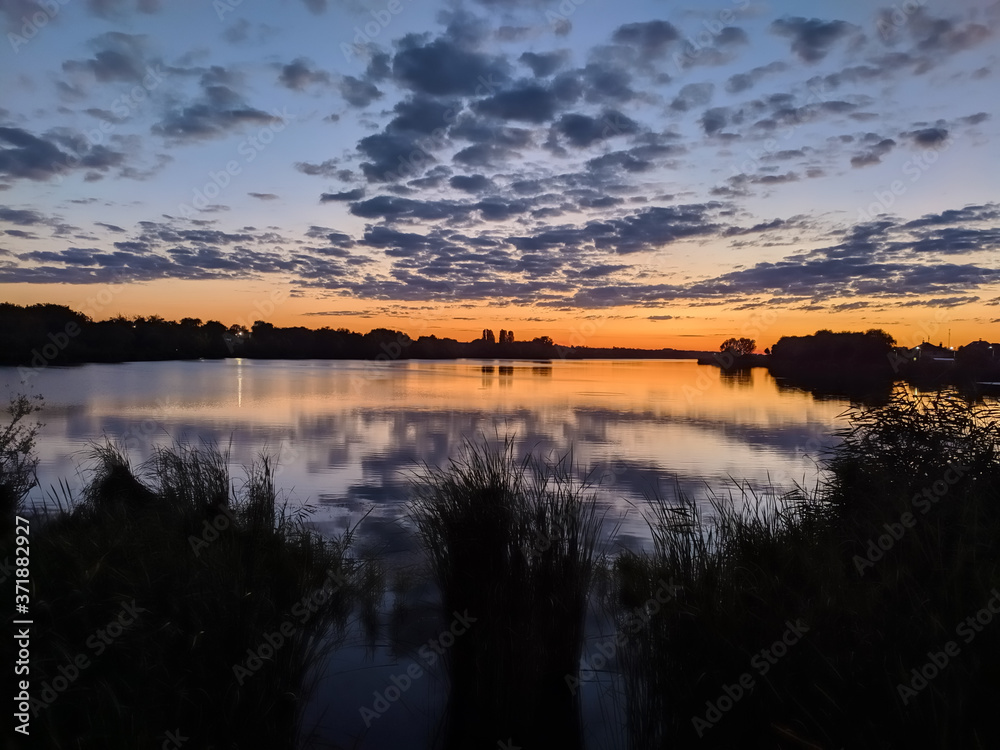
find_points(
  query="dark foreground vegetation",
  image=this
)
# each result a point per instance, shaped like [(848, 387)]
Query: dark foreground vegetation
[(37, 336), (167, 600), (865, 613)]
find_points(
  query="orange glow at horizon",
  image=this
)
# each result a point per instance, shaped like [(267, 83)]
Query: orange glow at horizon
[(672, 326)]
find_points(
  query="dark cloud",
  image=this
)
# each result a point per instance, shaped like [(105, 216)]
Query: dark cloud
[(812, 38), (21, 216), (300, 73), (715, 119), (975, 119), (378, 68), (582, 130), (422, 114), (928, 137), (652, 38), (528, 102), (692, 95), (23, 155), (443, 68), (348, 195), (117, 9), (218, 111), (237, 33), (607, 81), (543, 64), (392, 156), (16, 11), (118, 57), (390, 208), (740, 82), (328, 168), (942, 35), (475, 183), (358, 93), (317, 7), (874, 154), (264, 196), (649, 229), (966, 215)]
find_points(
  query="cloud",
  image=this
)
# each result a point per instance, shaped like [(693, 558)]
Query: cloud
[(358, 93), (316, 7), (328, 168), (943, 35), (652, 38), (543, 64), (582, 130), (118, 9), (812, 38), (24, 155), (300, 73), (928, 137), (264, 196), (119, 57), (21, 217), (347, 195), (475, 183), (392, 156), (218, 111), (740, 82), (443, 68), (874, 154), (528, 102), (693, 95)]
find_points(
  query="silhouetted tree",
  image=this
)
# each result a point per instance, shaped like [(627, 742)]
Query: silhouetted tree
[(488, 336), (878, 333), (738, 346)]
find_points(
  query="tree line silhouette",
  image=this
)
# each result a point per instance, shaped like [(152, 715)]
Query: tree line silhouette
[(44, 334)]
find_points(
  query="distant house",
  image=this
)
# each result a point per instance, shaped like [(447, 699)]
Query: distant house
[(926, 352), (979, 354)]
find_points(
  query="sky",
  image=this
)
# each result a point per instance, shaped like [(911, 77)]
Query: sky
[(635, 173)]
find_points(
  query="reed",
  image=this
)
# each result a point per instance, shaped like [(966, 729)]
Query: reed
[(747, 566), (512, 542), (227, 601)]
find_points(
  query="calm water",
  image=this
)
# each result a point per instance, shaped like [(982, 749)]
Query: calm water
[(350, 433)]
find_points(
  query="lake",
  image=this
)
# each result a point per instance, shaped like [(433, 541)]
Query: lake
[(349, 434)]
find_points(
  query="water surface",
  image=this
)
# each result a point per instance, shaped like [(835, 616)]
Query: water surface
[(349, 434)]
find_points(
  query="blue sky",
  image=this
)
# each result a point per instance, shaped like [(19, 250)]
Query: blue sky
[(668, 173)]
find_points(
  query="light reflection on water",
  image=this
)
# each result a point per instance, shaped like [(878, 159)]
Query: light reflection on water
[(349, 433)]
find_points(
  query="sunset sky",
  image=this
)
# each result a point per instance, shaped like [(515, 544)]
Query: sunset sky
[(610, 173)]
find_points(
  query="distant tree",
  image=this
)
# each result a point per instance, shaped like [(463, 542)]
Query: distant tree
[(878, 333), (488, 336), (738, 346), (543, 340), (510, 337), (191, 322), (503, 336)]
